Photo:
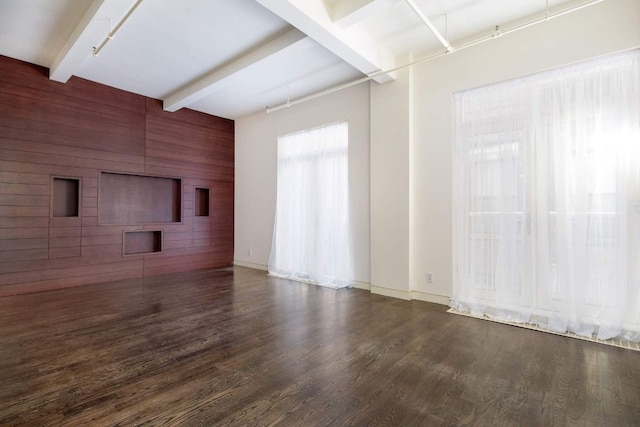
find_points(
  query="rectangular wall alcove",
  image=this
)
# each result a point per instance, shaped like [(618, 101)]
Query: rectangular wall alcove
[(65, 197), (201, 202), (140, 242), (137, 199)]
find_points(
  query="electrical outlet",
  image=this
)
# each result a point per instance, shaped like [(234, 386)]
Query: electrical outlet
[(429, 278)]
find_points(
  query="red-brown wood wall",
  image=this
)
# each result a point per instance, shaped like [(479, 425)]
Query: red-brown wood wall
[(79, 129)]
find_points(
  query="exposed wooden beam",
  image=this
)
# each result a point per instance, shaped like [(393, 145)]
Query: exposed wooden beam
[(350, 44), (221, 76)]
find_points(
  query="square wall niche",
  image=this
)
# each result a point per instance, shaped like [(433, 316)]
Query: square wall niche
[(65, 197), (201, 202), (140, 242)]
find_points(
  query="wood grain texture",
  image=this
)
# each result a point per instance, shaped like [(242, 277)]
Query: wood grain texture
[(237, 347), (78, 130), (135, 199)]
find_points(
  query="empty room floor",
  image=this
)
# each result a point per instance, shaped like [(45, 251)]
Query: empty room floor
[(237, 347)]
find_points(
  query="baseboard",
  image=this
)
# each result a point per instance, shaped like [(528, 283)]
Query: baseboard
[(361, 285), (250, 265), (357, 285), (394, 293), (410, 295), (378, 290), (423, 296)]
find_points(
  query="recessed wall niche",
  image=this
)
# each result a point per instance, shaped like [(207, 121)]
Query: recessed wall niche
[(65, 197), (139, 242), (201, 202), (139, 199)]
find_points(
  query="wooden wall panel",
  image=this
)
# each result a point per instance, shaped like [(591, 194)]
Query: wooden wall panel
[(78, 130), (203, 147)]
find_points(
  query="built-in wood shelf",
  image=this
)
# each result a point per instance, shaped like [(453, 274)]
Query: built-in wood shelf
[(65, 197), (139, 242), (201, 202)]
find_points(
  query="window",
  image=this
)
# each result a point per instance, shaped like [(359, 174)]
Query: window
[(547, 173), (311, 239)]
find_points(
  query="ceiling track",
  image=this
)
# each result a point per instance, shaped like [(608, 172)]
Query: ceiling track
[(111, 34), (430, 26), (448, 50)]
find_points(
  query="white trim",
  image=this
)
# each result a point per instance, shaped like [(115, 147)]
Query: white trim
[(356, 284), (410, 295), (378, 290), (361, 285), (394, 293), (250, 265), (437, 299)]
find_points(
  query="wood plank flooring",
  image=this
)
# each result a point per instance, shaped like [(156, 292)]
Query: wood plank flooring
[(236, 347)]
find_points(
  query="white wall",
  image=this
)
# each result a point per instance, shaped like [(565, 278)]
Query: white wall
[(410, 147), (390, 184), (608, 27), (256, 163)]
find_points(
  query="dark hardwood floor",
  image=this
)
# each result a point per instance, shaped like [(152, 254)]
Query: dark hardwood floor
[(236, 347)]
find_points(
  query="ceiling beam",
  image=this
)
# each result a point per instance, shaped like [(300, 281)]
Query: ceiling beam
[(90, 30), (350, 44), (218, 79), (346, 13)]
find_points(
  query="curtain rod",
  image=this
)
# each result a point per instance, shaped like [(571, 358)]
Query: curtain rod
[(496, 34)]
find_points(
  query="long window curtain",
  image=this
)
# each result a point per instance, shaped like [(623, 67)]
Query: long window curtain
[(546, 192), (311, 236)]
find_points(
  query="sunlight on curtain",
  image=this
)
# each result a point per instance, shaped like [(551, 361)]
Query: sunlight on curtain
[(311, 236), (546, 192)]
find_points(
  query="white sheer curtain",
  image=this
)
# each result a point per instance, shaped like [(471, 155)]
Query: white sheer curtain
[(311, 235), (546, 186)]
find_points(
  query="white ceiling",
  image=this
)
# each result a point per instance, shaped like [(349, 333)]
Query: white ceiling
[(233, 57)]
